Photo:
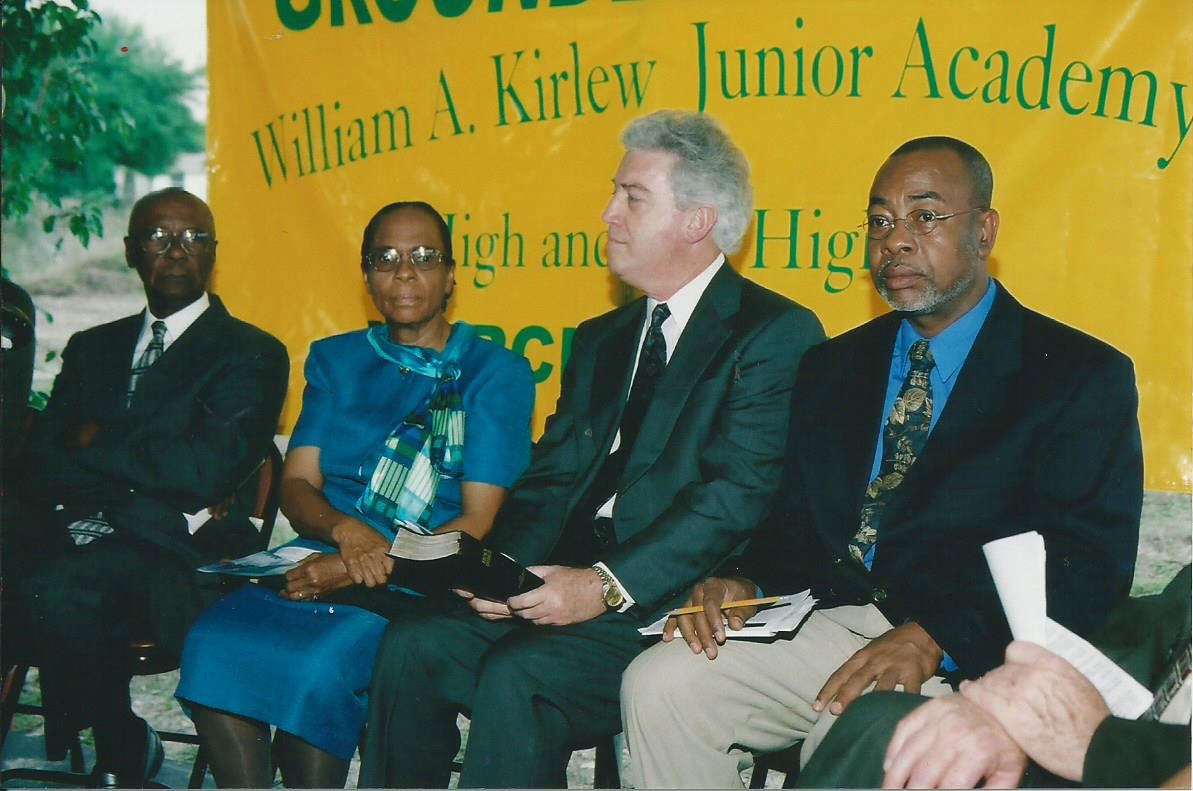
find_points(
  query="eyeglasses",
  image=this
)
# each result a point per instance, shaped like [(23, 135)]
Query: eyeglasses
[(919, 222), (387, 259), (192, 240)]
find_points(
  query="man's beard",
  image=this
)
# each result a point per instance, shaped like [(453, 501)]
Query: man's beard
[(931, 297)]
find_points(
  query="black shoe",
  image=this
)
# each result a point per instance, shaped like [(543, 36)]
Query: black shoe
[(103, 775), (154, 753), (104, 779)]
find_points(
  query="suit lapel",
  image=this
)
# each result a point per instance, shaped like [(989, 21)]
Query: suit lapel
[(110, 364), (706, 331), (843, 452), (614, 363), (976, 397), (174, 371)]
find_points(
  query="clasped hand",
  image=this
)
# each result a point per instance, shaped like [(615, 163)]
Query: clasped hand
[(364, 551), (568, 595), (317, 574)]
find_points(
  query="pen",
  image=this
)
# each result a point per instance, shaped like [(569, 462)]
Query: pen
[(727, 605)]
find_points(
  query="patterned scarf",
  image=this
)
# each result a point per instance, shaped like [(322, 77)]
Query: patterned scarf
[(428, 444)]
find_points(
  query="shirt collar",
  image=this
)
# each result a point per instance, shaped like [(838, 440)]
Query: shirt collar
[(951, 346), (683, 302), (180, 320)]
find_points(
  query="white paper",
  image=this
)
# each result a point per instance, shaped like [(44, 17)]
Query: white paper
[(785, 615), (1017, 564), (1124, 696), (261, 564), (198, 519)]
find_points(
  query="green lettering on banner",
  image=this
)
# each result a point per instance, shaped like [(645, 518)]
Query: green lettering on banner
[(448, 107), (953, 84), (358, 7), (921, 39), (1046, 61), (1065, 79), (395, 10), (1129, 78), (452, 8), (760, 238), (846, 238), (1002, 97), (1183, 122), (525, 336), (293, 19)]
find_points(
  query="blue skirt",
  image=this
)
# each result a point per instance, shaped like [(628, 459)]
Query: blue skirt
[(302, 666)]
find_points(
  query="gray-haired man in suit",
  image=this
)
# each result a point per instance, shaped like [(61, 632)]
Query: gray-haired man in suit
[(662, 455)]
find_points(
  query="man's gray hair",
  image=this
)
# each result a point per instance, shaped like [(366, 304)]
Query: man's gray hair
[(710, 170)]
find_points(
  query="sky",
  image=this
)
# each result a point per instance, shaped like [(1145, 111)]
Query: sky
[(180, 26)]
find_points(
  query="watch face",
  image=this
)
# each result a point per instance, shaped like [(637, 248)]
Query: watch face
[(613, 597)]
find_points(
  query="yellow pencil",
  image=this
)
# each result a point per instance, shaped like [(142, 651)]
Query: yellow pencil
[(727, 605)]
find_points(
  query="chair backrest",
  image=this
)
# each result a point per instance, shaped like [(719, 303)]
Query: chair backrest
[(269, 481)]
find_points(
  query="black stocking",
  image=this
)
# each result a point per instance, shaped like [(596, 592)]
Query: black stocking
[(237, 748), (305, 766)]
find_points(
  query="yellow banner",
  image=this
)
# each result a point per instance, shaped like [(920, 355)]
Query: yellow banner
[(504, 114)]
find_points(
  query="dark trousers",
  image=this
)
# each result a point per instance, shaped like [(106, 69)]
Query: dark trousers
[(73, 616), (534, 694)]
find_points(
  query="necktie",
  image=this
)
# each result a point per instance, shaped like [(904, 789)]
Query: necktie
[(652, 359), (148, 357), (903, 439)]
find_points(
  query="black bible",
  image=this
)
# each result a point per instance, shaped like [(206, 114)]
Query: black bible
[(435, 562)]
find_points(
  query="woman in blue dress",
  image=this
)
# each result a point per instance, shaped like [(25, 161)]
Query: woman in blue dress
[(416, 422)]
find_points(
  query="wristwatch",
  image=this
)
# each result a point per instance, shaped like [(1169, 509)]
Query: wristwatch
[(610, 591)]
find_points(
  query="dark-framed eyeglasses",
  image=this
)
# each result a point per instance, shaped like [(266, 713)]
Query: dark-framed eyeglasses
[(918, 221), (387, 259), (193, 241)]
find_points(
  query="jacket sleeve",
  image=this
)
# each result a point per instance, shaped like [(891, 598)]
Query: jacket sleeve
[(1084, 494), (193, 451)]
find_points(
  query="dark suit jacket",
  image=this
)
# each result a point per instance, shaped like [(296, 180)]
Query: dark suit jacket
[(201, 418), (1143, 636), (1040, 433), (706, 462)]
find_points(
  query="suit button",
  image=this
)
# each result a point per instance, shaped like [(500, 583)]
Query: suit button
[(1066, 562), (588, 432), (836, 561), (879, 595)]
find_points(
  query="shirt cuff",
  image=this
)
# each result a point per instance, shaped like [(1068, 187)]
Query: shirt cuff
[(629, 600)]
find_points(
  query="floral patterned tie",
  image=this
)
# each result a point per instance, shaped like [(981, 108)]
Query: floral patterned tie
[(903, 440)]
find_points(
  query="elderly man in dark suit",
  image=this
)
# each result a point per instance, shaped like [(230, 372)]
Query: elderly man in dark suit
[(663, 453), (153, 419), (960, 418)]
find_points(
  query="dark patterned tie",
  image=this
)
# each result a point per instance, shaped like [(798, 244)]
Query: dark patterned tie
[(903, 439), (148, 357), (652, 359)]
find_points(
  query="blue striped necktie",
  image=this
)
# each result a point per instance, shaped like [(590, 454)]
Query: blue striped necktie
[(148, 357)]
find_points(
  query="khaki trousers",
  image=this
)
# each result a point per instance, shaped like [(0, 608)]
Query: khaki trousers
[(695, 723)]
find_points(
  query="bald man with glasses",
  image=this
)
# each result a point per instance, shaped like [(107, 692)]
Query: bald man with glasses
[(153, 419)]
